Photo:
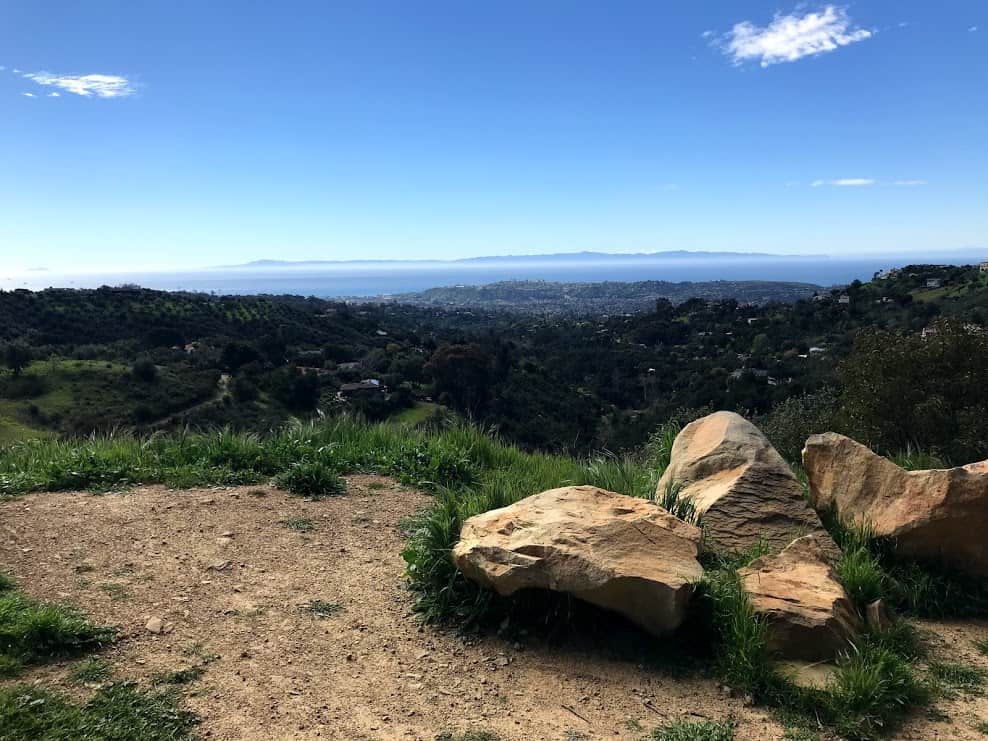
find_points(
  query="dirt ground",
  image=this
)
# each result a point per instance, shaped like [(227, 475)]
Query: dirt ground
[(227, 578)]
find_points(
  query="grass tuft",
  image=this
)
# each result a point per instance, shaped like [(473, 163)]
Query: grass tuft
[(312, 479), (701, 730), (300, 524), (320, 608)]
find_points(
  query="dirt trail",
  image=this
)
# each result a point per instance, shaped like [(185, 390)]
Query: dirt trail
[(228, 578)]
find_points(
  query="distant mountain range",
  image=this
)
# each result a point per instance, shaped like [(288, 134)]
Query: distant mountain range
[(556, 258)]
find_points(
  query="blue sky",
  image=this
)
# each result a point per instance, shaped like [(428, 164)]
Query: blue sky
[(180, 134)]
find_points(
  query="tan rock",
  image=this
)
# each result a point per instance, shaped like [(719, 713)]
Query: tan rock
[(740, 485), (810, 616), (621, 553), (939, 514)]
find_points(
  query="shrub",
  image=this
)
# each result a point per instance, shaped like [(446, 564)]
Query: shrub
[(312, 479), (144, 370)]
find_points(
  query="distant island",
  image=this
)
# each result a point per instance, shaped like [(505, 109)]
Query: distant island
[(559, 257), (545, 297)]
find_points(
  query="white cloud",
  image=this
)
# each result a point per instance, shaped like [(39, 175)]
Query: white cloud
[(102, 86), (28, 95), (844, 182), (791, 37), (909, 183), (54, 95), (972, 29)]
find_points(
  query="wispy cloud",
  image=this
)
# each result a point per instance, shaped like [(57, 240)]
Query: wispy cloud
[(909, 183), (844, 182), (55, 95), (101, 86), (789, 37), (28, 95), (972, 29)]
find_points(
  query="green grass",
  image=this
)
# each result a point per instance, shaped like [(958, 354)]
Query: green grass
[(951, 675), (90, 671), (421, 412), (33, 632), (117, 712), (982, 645), (699, 730)]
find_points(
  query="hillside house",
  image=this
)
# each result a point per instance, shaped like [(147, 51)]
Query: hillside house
[(983, 267), (369, 387), (934, 282), (844, 299)]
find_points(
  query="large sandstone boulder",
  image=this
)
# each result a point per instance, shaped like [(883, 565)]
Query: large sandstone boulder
[(740, 486), (809, 615), (938, 514), (621, 553)]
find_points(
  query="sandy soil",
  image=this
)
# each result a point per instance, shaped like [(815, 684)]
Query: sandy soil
[(227, 578)]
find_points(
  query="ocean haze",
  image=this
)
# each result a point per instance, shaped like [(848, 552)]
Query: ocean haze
[(372, 278)]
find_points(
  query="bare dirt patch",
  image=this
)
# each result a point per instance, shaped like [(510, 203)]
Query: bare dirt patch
[(299, 615)]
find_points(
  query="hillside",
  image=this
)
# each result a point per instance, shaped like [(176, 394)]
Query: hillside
[(543, 297), (135, 358)]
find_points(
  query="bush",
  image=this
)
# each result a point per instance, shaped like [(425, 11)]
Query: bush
[(144, 370), (312, 479)]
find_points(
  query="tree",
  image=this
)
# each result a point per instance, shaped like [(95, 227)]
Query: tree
[(144, 370), (464, 372), (16, 356)]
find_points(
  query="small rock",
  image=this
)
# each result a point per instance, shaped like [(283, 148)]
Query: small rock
[(155, 625)]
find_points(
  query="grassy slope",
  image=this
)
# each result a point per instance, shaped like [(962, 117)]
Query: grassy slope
[(469, 472), (97, 392)]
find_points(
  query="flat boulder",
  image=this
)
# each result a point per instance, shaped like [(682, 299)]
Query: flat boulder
[(809, 615), (939, 514), (740, 485), (621, 553)]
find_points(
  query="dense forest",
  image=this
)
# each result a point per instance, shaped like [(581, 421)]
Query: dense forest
[(899, 361)]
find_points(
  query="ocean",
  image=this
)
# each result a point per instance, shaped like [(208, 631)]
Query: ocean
[(371, 279)]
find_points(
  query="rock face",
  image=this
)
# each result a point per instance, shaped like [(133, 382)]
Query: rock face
[(938, 514), (621, 553), (740, 485), (810, 616)]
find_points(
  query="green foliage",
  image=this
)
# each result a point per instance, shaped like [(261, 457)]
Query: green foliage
[(117, 712), (793, 420), (312, 479), (700, 730), (903, 390)]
